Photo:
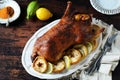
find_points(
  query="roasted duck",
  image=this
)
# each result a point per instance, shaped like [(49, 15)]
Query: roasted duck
[(72, 29)]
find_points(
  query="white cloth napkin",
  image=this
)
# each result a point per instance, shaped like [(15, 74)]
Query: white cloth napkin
[(110, 60), (96, 76), (105, 68)]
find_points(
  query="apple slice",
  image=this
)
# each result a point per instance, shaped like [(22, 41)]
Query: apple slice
[(85, 50), (81, 52), (50, 68), (89, 46), (75, 56), (67, 62), (59, 66), (40, 64), (77, 46), (81, 47), (95, 44)]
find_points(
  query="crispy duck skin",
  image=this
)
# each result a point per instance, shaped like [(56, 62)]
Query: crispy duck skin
[(72, 29)]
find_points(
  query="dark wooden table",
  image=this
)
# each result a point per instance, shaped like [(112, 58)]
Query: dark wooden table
[(14, 37)]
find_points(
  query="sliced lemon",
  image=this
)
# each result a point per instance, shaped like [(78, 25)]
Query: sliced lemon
[(43, 14), (50, 68), (67, 62), (40, 64)]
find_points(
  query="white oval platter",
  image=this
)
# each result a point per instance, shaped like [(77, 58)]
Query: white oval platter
[(27, 51)]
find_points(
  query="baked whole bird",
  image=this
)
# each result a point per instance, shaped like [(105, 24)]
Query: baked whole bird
[(72, 29)]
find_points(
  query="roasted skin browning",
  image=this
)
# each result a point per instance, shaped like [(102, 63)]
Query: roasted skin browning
[(72, 29)]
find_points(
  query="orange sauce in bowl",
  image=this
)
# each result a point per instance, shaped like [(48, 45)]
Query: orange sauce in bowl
[(6, 12)]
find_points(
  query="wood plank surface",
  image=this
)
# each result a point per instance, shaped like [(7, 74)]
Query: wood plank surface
[(14, 37)]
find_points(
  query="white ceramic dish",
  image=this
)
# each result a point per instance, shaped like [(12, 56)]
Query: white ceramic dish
[(109, 7), (27, 62), (15, 7)]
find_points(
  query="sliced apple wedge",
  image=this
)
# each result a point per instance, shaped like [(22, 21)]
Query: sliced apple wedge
[(40, 64), (59, 66), (77, 46), (75, 56), (84, 48), (67, 62), (95, 44), (81, 47), (50, 68), (89, 46), (81, 52)]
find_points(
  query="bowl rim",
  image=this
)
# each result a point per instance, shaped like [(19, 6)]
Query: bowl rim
[(95, 4), (16, 9)]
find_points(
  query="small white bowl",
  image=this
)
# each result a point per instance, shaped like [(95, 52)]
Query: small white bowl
[(109, 7), (15, 7)]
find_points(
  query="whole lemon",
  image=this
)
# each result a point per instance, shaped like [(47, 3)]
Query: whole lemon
[(43, 14)]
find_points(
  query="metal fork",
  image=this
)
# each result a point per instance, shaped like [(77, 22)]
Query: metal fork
[(94, 66)]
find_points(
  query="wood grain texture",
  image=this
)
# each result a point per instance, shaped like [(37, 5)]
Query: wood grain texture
[(14, 37)]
